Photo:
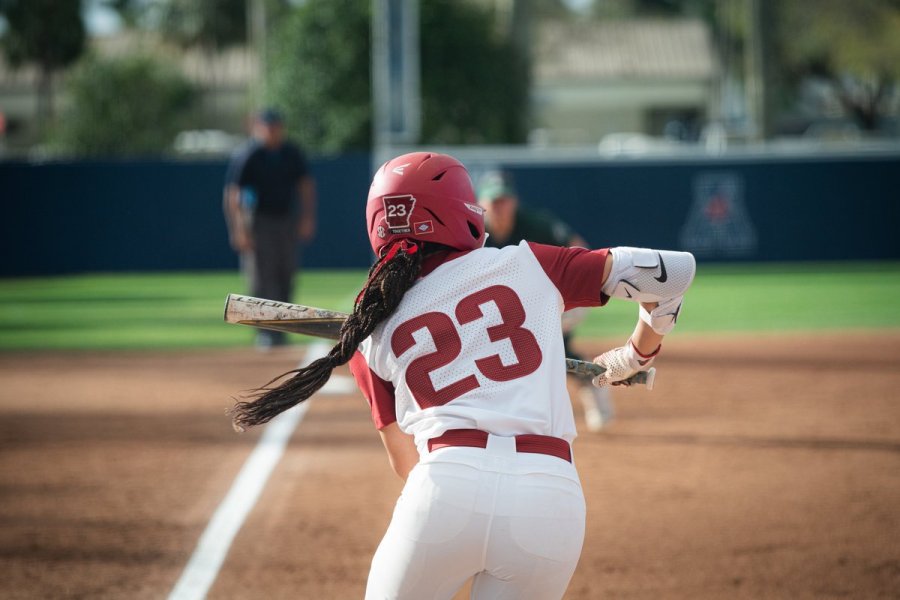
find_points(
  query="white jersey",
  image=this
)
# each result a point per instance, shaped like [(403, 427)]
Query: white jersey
[(477, 344)]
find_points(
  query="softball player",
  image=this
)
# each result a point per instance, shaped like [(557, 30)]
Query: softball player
[(458, 350)]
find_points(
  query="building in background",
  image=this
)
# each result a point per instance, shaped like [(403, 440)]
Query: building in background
[(622, 81)]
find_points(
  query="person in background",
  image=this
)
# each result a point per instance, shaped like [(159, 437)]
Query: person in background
[(270, 208), (507, 223)]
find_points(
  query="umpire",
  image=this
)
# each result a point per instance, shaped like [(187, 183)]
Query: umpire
[(270, 208)]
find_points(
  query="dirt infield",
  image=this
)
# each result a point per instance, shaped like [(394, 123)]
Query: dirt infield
[(762, 466)]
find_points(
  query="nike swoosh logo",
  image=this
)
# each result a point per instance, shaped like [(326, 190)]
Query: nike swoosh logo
[(643, 362), (676, 313), (627, 293), (662, 270)]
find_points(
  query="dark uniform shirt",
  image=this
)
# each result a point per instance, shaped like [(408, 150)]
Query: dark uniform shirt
[(272, 175)]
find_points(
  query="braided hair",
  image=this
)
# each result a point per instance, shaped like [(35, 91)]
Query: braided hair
[(389, 279)]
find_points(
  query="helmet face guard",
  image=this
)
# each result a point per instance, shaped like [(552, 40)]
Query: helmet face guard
[(425, 197)]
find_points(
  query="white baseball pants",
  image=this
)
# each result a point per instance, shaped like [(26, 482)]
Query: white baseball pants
[(514, 521)]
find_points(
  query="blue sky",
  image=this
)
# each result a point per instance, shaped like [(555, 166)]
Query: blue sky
[(100, 19)]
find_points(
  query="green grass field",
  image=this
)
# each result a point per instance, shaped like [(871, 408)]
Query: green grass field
[(184, 310)]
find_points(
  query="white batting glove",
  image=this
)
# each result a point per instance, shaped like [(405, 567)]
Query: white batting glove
[(621, 363)]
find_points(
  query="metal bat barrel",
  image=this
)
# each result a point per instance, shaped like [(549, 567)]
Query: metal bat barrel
[(283, 316)]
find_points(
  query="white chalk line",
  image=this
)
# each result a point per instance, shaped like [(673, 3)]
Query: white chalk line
[(203, 567)]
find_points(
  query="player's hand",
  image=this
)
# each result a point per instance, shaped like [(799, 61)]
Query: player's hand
[(620, 364), (241, 241), (306, 230)]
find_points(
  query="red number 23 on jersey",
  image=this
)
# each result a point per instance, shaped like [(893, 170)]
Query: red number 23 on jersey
[(448, 345)]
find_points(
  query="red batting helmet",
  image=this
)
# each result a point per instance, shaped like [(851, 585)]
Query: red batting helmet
[(426, 197)]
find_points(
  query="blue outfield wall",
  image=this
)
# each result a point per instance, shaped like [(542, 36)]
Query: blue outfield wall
[(730, 210), (155, 216), (96, 216)]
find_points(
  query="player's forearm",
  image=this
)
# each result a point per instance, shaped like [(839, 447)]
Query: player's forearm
[(308, 201), (645, 339), (657, 279), (231, 205)]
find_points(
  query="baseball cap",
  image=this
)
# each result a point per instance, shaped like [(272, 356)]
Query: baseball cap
[(493, 185), (270, 116)]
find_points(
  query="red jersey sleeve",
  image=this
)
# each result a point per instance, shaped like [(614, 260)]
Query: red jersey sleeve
[(576, 272), (378, 392)]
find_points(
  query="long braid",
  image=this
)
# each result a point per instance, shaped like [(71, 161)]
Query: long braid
[(388, 280)]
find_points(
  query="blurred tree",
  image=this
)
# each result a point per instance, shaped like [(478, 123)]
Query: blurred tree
[(131, 105), (50, 33), (611, 9), (853, 45), (130, 11), (318, 74), (210, 25), (207, 24), (474, 82), (555, 9)]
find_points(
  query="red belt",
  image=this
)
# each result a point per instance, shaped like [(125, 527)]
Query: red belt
[(529, 442)]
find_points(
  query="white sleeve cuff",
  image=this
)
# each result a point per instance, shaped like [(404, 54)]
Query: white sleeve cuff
[(662, 319)]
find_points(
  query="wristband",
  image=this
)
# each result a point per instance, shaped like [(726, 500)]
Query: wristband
[(646, 357)]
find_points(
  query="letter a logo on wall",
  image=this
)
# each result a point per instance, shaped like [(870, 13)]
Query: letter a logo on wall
[(397, 212), (718, 224)]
